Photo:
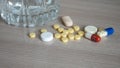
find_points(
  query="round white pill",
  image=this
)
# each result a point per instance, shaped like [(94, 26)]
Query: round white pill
[(90, 29), (67, 21), (46, 36)]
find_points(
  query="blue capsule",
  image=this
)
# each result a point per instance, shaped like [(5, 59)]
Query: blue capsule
[(109, 31), (106, 32)]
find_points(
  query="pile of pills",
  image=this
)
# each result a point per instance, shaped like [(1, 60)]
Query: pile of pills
[(71, 33), (44, 35), (95, 34)]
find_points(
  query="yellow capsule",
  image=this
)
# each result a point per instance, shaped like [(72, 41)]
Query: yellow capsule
[(65, 31), (60, 30), (76, 28), (57, 35), (81, 33), (56, 26), (64, 35), (65, 40), (70, 30), (71, 36), (43, 30), (77, 37), (32, 35)]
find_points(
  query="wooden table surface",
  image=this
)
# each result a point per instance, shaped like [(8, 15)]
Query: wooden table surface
[(19, 51)]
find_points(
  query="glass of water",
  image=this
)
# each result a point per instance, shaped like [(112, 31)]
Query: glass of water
[(29, 13), (1, 4)]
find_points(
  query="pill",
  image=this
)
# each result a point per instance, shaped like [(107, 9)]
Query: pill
[(70, 30), (43, 30), (64, 39), (100, 29), (67, 21), (102, 33), (65, 31), (57, 35), (63, 35), (71, 36), (32, 35), (60, 29), (109, 31), (77, 37), (81, 33), (56, 26), (93, 37), (46, 36), (90, 29), (106, 32), (76, 28)]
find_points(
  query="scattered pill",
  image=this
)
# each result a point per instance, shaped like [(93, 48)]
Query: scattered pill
[(67, 21), (65, 31), (57, 36), (90, 29), (71, 36), (77, 37), (43, 30), (63, 35), (32, 35), (46, 36), (106, 32), (102, 33), (64, 39), (56, 26), (93, 37), (76, 28), (60, 29), (109, 31), (81, 33), (70, 30), (100, 29)]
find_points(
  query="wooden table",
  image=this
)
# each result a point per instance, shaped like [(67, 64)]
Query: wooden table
[(19, 51)]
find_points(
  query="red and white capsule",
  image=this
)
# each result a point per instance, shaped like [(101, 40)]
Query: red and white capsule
[(93, 37)]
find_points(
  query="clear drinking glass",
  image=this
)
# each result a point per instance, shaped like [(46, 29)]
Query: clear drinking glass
[(1, 4), (29, 13)]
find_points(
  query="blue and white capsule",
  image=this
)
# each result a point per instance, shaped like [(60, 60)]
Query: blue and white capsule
[(106, 32)]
